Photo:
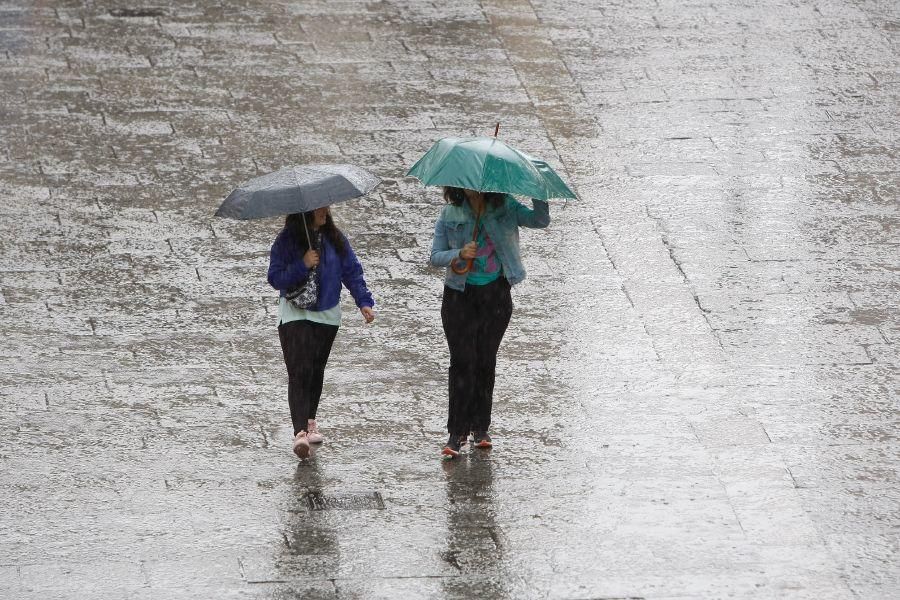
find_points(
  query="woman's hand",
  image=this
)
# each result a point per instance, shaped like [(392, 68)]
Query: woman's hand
[(469, 251), (311, 259), (367, 313)]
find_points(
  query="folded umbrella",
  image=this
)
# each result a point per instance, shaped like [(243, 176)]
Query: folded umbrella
[(297, 189), (487, 164)]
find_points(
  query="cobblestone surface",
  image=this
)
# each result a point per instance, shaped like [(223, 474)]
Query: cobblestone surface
[(697, 397)]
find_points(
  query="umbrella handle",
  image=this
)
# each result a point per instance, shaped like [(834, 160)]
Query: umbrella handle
[(467, 265), (460, 270)]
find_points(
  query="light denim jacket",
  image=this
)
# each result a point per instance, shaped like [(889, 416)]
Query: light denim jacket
[(453, 230)]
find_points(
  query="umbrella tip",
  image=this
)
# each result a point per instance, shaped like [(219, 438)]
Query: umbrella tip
[(497, 129)]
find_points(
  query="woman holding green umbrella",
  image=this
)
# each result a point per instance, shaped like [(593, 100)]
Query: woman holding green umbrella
[(476, 238)]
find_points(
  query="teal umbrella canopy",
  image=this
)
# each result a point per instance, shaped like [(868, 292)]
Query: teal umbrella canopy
[(487, 164)]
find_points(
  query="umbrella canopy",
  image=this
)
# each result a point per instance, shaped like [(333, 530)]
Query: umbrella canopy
[(487, 164), (297, 189)]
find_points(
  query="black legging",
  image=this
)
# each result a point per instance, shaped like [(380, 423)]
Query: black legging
[(474, 322), (306, 346)]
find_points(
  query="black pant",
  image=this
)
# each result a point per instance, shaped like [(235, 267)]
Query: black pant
[(474, 322), (306, 346)]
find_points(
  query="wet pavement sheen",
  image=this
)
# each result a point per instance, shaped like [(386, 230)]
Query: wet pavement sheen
[(697, 396)]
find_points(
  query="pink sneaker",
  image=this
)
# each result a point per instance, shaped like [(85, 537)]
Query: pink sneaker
[(301, 445), (314, 436)]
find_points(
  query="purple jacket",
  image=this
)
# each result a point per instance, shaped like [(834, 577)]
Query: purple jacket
[(286, 270)]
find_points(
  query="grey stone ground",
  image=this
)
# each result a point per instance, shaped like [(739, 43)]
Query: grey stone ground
[(698, 394)]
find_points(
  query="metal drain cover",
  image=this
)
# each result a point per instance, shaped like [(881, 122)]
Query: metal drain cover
[(344, 501), (136, 13)]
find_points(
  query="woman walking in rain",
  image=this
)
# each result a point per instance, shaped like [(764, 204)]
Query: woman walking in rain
[(310, 259), (476, 238)]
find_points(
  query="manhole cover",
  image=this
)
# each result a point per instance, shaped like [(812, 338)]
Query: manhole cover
[(346, 501), (136, 12)]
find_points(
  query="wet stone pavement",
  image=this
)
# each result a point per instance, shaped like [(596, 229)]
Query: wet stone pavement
[(697, 396)]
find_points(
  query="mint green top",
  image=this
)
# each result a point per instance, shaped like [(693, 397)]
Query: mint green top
[(287, 312)]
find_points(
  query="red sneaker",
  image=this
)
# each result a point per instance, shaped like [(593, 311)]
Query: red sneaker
[(451, 449), (482, 439)]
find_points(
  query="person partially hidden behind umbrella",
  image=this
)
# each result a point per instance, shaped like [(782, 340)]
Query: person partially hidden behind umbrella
[(476, 238), (311, 247)]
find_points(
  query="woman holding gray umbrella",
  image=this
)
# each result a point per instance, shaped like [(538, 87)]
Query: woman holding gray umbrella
[(310, 261), (310, 249)]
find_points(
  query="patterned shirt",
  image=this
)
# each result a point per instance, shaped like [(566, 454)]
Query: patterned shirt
[(486, 267)]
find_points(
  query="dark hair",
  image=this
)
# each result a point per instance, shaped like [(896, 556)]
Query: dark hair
[(456, 196), (294, 224)]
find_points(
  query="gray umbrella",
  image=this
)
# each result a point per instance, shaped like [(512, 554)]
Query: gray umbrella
[(297, 189)]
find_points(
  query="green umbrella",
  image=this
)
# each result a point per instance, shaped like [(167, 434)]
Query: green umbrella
[(487, 164)]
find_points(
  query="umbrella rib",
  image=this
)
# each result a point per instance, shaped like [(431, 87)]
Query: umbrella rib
[(487, 155)]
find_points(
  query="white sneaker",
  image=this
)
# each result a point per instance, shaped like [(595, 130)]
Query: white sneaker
[(301, 445), (314, 436)]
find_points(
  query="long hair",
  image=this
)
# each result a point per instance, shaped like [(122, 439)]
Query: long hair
[(456, 196), (294, 224)]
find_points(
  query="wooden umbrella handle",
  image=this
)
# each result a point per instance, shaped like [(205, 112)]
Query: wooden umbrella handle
[(467, 265), (464, 268)]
